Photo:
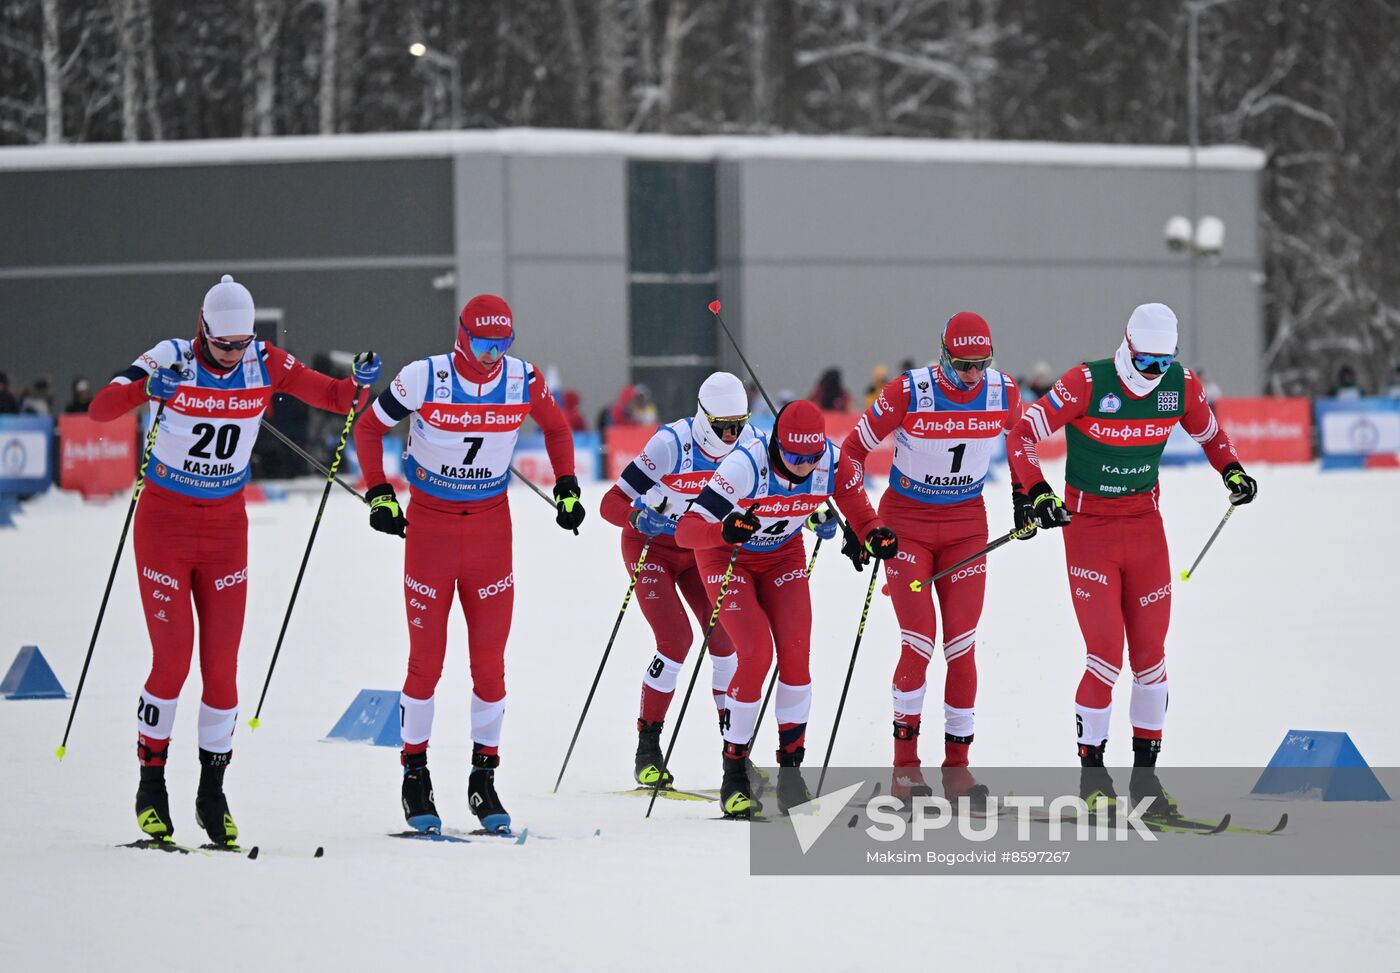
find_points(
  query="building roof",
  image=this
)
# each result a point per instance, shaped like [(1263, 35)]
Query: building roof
[(571, 142)]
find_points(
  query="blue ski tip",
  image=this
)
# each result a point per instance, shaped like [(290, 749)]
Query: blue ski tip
[(523, 835), (425, 822)]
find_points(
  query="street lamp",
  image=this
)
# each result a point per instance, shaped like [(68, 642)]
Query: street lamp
[(420, 50)]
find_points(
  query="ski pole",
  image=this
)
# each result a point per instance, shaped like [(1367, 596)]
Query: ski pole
[(626, 600), (699, 658), (256, 721), (121, 545), (538, 492), (773, 679), (1186, 575), (850, 670), (1003, 539), (315, 463), (715, 309)]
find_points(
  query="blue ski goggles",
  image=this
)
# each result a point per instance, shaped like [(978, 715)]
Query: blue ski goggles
[(491, 348), (795, 459), (1155, 364), (1151, 364)]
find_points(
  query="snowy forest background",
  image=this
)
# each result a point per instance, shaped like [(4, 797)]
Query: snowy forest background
[(1313, 83)]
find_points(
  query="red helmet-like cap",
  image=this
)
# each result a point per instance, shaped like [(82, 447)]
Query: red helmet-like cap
[(800, 428), (487, 316), (967, 335)]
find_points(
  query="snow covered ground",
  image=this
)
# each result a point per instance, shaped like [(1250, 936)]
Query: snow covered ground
[(1287, 624)]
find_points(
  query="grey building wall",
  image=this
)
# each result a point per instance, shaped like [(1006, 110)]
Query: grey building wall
[(548, 233), (97, 265), (854, 263)]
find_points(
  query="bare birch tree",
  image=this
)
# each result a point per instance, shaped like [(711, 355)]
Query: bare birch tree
[(53, 74)]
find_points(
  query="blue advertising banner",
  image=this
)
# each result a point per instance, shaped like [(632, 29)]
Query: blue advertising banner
[(1358, 433), (25, 445)]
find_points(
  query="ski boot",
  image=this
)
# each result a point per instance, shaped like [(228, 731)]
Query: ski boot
[(1144, 782), (210, 806), (482, 797), (907, 783), (758, 777), (958, 783), (792, 789), (1095, 783), (418, 807), (152, 800), (651, 762), (735, 794)]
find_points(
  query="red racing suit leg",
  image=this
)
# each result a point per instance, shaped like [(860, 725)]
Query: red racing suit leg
[(446, 550), (767, 601), (1120, 583), (669, 581), (191, 559), (932, 538)]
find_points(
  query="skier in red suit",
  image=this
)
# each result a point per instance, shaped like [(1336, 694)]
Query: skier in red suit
[(465, 410), (760, 498), (650, 496), (946, 419), (191, 534), (1118, 413)]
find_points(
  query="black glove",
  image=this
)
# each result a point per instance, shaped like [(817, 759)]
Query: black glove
[(882, 544), (566, 498), (1022, 515), (1242, 486), (854, 549), (1048, 509), (385, 515), (739, 526)]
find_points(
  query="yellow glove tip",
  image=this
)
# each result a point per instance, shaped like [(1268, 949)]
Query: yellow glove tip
[(254, 723), (61, 752)]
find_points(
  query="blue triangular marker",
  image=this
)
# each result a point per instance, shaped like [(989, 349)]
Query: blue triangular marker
[(372, 718), (1319, 765), (31, 678)]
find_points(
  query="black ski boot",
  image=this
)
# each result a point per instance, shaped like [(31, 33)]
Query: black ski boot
[(651, 762), (736, 799), (1095, 782), (210, 806), (482, 797), (418, 807), (1144, 782), (152, 801), (792, 789)]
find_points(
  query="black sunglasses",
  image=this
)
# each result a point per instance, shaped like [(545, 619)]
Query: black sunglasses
[(223, 344)]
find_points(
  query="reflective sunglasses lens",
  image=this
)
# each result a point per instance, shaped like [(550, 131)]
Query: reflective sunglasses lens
[(724, 424), (1152, 363), (970, 364), (494, 347), (796, 459)]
